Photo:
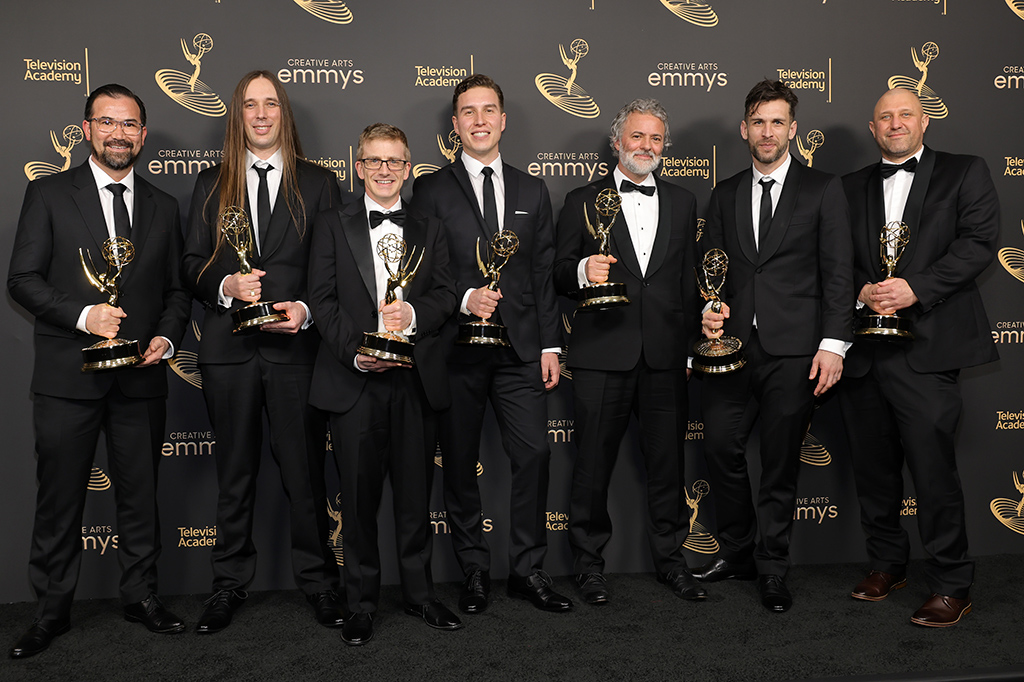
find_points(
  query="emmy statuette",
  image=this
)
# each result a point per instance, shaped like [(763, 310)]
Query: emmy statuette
[(118, 252), (389, 345), (893, 240), (604, 295), (724, 354), (234, 224), (484, 332)]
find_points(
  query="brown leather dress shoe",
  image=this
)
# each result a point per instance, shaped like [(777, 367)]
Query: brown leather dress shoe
[(878, 585), (941, 611)]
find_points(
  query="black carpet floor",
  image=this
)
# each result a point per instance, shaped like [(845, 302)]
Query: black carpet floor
[(644, 634)]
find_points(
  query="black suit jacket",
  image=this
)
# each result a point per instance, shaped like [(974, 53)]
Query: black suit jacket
[(61, 214), (800, 282), (284, 256), (661, 317), (953, 215), (343, 297), (528, 306)]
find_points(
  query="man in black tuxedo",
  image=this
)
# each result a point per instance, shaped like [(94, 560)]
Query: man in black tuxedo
[(81, 209), (476, 197), (631, 359), (270, 368), (385, 409), (789, 289), (901, 401)]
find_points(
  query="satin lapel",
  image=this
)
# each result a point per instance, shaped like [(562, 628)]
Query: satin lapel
[(415, 234), (280, 222), (142, 221), (356, 229), (915, 203), (783, 212), (88, 201), (462, 176), (868, 240), (663, 235), (511, 195), (744, 220), (620, 244)]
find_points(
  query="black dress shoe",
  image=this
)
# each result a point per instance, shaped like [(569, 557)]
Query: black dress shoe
[(327, 606), (593, 588), (358, 629), (436, 615), (37, 638), (219, 609), (683, 585), (151, 613), (774, 594), (475, 590), (536, 589), (720, 569)]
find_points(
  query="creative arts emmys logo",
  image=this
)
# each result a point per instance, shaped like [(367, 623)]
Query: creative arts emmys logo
[(931, 103), (185, 363), (331, 11), (187, 90), (72, 135), (334, 542), (815, 139), (699, 539), (1011, 512), (448, 151), (697, 13), (98, 480), (563, 92), (1017, 7)]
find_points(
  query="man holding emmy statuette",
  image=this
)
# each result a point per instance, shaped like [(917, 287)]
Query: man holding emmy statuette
[(925, 226), (96, 257), (377, 261), (247, 243), (630, 359), (479, 199), (788, 299)]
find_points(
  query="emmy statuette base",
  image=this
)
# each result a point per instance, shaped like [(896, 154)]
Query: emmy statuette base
[(386, 346), (602, 296), (482, 333), (718, 356), (253, 315), (884, 328), (111, 354)]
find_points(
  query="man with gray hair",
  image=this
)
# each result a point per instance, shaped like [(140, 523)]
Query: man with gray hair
[(631, 359)]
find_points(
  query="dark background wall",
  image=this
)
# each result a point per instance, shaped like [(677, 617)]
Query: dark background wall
[(348, 64)]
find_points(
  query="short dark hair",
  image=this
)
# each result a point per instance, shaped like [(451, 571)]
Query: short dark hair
[(477, 80), (116, 91), (381, 131), (769, 91)]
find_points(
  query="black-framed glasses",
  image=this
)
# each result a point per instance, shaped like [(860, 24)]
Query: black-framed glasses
[(374, 164), (106, 125)]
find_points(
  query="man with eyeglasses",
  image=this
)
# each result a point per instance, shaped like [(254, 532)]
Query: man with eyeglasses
[(81, 209)]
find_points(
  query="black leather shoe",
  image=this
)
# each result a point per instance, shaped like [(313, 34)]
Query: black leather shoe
[(436, 615), (37, 638), (774, 594), (358, 629), (683, 585), (593, 588), (720, 569), (536, 589), (219, 609), (151, 613), (327, 606), (475, 590)]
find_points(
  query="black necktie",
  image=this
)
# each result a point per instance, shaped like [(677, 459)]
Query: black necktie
[(397, 217), (627, 186), (890, 169), (263, 202), (490, 205), (122, 225), (765, 219)]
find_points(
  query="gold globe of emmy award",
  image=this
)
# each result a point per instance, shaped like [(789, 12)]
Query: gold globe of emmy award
[(503, 246), (72, 135), (446, 151), (1017, 7), (815, 139), (892, 240), (118, 252), (234, 225), (724, 354), (393, 345), (697, 13), (187, 90), (699, 539), (1010, 512), (604, 295), (563, 92), (1012, 259), (331, 11), (931, 103)]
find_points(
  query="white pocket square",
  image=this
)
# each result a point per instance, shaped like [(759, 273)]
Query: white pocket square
[(522, 213)]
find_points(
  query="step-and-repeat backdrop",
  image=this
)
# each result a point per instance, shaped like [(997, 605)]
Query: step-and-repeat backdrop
[(566, 67)]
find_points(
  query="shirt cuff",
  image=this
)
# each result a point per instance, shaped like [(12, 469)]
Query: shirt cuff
[(170, 349), (556, 350), (410, 331), (81, 319), (465, 300), (581, 273), (309, 316), (835, 346), (222, 298)]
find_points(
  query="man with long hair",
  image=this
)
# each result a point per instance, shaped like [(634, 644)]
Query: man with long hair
[(262, 171)]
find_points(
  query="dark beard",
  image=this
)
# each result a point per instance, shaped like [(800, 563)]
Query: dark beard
[(117, 160)]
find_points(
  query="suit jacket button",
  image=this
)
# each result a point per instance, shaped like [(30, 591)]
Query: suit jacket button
[(758, 271)]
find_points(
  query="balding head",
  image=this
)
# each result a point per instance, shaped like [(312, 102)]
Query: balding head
[(898, 124)]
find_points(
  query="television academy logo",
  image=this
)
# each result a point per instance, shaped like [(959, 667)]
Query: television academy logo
[(699, 539), (931, 103), (565, 93), (815, 139), (1011, 512), (72, 135), (697, 13), (331, 11), (448, 151), (187, 90)]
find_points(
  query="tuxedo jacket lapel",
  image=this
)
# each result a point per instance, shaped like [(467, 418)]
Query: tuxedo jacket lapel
[(143, 212), (744, 220), (280, 222), (462, 176), (88, 201), (783, 214), (620, 243), (915, 202), (662, 236), (511, 194), (869, 239), (356, 229)]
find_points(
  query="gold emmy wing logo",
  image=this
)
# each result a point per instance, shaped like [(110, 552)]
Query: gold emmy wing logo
[(813, 452), (185, 363), (187, 90), (448, 150), (1017, 7), (697, 13), (1013, 259), (815, 139), (563, 352), (331, 11), (1010, 512), (98, 480), (699, 539), (72, 135), (931, 103), (334, 542), (701, 222), (564, 93), (440, 462)]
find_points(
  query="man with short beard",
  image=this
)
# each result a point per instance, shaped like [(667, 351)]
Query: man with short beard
[(631, 359), (788, 294)]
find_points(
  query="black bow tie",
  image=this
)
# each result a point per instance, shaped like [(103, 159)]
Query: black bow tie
[(890, 169), (628, 186), (397, 217)]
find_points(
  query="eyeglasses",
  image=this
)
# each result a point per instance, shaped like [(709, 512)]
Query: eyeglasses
[(374, 164), (108, 125)]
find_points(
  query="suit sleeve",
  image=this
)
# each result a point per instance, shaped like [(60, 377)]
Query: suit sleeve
[(200, 240), (177, 299), (835, 264), (338, 331), (568, 247), (543, 274), (438, 302)]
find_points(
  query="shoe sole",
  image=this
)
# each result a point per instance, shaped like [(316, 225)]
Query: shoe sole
[(933, 624), (864, 597)]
